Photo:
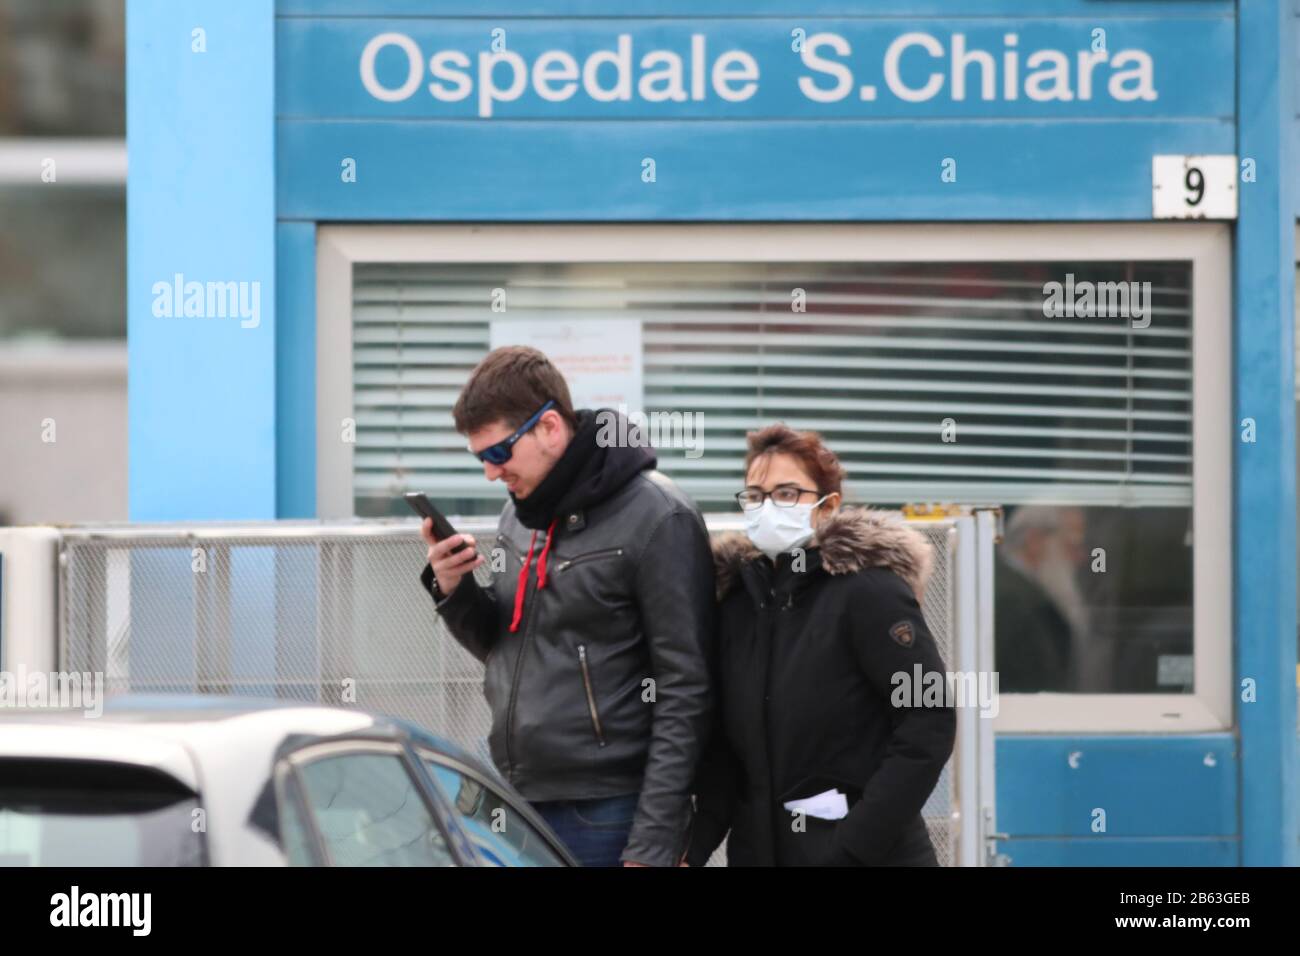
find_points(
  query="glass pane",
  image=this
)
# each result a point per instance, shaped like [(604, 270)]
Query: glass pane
[(62, 68), (62, 263), (57, 813), (293, 833), (370, 813), (501, 835), (932, 381), (1094, 600)]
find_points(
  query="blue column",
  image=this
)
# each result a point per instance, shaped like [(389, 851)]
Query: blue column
[(1264, 505), (295, 432), (201, 259)]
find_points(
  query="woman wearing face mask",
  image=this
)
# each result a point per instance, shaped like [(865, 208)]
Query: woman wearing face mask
[(811, 762)]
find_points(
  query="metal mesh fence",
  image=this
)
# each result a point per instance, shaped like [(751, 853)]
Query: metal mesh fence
[(939, 605), (328, 614)]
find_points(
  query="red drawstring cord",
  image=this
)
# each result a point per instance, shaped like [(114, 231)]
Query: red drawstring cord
[(522, 587), (541, 562)]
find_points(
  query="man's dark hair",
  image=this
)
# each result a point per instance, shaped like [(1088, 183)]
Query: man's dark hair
[(510, 385)]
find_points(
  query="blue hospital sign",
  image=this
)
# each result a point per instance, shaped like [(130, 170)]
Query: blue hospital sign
[(915, 67), (738, 69), (745, 118)]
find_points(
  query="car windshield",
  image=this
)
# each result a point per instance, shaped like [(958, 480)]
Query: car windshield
[(71, 813)]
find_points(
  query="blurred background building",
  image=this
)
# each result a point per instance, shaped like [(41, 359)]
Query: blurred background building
[(62, 261)]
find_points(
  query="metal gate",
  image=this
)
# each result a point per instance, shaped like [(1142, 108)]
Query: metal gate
[(332, 613)]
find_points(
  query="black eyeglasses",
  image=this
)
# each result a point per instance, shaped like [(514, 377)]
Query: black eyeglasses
[(783, 496), (500, 453)]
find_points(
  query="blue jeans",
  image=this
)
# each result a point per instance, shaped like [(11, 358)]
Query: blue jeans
[(595, 831)]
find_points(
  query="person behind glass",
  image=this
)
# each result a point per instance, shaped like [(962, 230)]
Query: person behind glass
[(810, 761)]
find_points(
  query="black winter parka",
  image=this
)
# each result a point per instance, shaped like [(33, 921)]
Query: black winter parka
[(814, 663)]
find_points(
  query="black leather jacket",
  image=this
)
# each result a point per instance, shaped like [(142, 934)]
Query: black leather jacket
[(603, 690)]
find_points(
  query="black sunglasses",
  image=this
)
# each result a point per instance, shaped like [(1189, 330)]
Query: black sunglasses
[(500, 453)]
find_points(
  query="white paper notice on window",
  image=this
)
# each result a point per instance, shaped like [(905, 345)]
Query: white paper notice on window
[(600, 358)]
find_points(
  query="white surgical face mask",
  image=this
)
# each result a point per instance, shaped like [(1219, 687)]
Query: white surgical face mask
[(777, 530)]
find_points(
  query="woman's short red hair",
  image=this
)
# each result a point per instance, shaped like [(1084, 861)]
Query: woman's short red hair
[(807, 448)]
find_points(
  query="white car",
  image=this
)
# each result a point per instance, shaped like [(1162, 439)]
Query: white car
[(221, 781)]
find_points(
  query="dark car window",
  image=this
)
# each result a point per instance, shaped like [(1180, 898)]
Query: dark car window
[(498, 831), (370, 813), (95, 813)]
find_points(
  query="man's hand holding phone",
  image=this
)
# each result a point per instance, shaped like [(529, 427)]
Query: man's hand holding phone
[(449, 568), (451, 555)]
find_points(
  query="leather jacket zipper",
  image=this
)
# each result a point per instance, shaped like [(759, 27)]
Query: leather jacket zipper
[(531, 602), (690, 831), (591, 696), (591, 556)]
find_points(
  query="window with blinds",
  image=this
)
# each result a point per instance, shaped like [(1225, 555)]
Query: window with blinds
[(933, 382)]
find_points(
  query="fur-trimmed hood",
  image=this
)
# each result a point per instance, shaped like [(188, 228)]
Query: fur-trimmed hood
[(850, 540)]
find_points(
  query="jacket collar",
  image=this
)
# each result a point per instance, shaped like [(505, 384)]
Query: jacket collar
[(598, 462), (780, 582), (851, 540)]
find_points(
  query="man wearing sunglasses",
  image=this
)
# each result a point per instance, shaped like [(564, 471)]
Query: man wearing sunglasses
[(594, 635)]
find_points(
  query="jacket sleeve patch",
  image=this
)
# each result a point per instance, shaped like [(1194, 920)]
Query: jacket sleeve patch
[(903, 634)]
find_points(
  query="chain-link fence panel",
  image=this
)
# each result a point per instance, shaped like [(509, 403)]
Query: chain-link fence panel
[(329, 614), (334, 617)]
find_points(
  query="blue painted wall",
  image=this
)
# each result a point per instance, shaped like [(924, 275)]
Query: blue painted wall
[(1295, 102), (1264, 469), (748, 9), (1119, 801), (200, 209), (295, 381), (853, 170)]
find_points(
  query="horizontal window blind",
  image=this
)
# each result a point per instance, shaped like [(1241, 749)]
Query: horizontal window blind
[(933, 382)]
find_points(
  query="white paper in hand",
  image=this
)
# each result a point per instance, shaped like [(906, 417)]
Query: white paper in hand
[(831, 805)]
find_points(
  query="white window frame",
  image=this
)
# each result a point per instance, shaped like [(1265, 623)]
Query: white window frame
[(1206, 245)]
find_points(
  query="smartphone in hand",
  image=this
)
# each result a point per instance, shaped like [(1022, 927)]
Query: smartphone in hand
[(442, 529)]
